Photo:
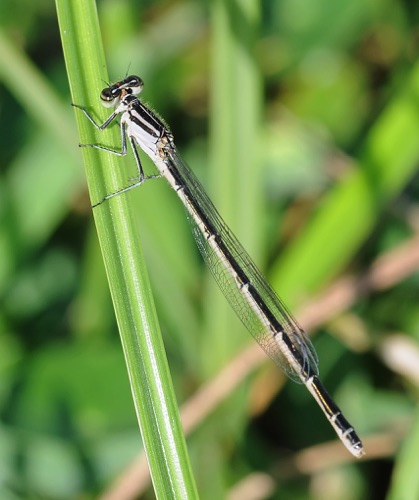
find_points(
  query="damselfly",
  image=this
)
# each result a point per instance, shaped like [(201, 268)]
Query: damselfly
[(253, 299)]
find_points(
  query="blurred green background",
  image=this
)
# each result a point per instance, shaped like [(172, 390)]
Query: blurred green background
[(328, 115)]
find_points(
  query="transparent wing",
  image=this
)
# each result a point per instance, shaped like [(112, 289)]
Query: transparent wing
[(261, 311)]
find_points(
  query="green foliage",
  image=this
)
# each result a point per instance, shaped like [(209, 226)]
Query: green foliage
[(301, 119)]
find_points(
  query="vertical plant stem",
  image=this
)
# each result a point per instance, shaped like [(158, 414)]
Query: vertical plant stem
[(151, 385)]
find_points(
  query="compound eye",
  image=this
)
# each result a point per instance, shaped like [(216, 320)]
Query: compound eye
[(109, 98), (135, 84)]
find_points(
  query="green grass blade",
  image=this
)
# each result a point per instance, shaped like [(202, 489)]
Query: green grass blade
[(235, 183), (148, 371)]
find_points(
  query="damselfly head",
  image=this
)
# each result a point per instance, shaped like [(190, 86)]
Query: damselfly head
[(110, 96)]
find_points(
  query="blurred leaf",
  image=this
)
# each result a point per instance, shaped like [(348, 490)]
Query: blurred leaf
[(387, 163), (405, 481)]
